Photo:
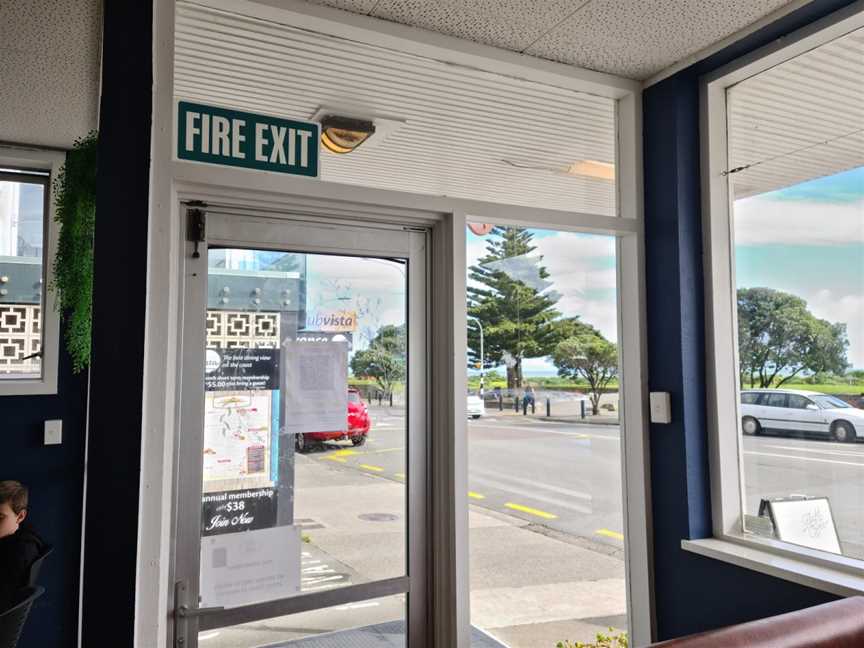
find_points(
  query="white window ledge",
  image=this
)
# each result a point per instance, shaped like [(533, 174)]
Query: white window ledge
[(837, 579)]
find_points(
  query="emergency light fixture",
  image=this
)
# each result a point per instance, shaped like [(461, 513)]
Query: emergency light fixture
[(344, 134)]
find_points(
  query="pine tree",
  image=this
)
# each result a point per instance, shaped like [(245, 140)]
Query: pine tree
[(511, 300)]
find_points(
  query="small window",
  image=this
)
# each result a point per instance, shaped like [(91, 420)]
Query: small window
[(29, 321), (749, 398), (22, 259)]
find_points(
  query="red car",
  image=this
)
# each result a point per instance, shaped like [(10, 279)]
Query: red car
[(358, 426)]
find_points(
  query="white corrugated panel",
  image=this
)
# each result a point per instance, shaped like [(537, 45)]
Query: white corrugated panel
[(800, 120), (464, 130)]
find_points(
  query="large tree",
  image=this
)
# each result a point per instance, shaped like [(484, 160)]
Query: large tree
[(779, 339), (511, 299), (384, 360), (589, 356)]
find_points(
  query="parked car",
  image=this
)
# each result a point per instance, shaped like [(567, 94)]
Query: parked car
[(357, 429), (783, 411), (476, 407)]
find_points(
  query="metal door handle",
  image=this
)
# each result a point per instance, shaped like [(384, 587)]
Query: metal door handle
[(185, 612)]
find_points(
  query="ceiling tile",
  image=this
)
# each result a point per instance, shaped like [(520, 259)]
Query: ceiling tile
[(509, 24), (49, 70), (637, 39)]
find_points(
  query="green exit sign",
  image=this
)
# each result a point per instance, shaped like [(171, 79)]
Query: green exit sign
[(243, 139)]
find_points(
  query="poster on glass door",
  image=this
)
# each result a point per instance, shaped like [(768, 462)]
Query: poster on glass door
[(241, 418)]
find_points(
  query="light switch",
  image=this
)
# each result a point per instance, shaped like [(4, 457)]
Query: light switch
[(53, 432), (661, 407)]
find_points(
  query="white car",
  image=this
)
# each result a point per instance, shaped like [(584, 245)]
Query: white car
[(786, 410), (476, 407)]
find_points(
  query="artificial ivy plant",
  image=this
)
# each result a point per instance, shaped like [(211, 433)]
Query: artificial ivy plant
[(75, 202)]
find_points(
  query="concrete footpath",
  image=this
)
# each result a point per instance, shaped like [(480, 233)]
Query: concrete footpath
[(529, 587)]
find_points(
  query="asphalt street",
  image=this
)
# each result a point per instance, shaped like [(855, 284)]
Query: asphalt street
[(563, 476), (567, 476)]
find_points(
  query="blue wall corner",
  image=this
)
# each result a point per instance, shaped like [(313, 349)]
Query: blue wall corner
[(692, 593)]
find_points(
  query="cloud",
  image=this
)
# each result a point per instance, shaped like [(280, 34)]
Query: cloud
[(765, 221), (849, 309)]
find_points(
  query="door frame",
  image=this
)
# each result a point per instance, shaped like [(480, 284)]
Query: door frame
[(295, 231)]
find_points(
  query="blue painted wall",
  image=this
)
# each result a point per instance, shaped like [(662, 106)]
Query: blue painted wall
[(55, 475), (692, 593)]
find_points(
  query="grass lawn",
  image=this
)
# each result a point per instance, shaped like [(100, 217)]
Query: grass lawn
[(827, 388)]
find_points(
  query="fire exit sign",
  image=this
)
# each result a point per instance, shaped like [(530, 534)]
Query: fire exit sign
[(242, 139)]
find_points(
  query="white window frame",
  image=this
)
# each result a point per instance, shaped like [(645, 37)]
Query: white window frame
[(50, 161), (172, 178), (837, 574)]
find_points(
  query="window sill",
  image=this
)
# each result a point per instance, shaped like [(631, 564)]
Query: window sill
[(803, 570)]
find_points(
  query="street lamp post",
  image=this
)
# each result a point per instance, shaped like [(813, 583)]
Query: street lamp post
[(482, 359)]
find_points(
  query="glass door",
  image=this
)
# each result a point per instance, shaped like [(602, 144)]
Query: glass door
[(301, 468)]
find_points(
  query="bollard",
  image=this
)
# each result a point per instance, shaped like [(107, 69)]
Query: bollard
[(548, 407), (391, 399), (582, 404), (500, 403)]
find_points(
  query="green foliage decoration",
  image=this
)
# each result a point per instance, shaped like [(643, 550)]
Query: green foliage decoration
[(75, 202)]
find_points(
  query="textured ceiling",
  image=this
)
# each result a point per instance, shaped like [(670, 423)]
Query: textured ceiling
[(467, 133), (49, 70), (629, 38), (799, 120)]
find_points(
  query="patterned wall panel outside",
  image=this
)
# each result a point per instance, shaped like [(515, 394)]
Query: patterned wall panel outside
[(20, 336), (232, 329)]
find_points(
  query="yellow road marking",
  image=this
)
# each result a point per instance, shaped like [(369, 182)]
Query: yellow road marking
[(474, 495), (382, 450), (343, 453), (531, 511), (400, 475), (339, 459), (373, 468), (610, 534)]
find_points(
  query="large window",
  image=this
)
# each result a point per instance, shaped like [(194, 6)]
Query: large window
[(544, 436), (786, 231)]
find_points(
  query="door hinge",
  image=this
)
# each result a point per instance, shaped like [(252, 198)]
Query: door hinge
[(196, 225)]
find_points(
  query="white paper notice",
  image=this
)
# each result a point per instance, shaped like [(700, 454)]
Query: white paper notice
[(250, 567), (806, 522), (315, 386)]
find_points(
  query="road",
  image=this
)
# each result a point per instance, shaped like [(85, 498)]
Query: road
[(567, 477)]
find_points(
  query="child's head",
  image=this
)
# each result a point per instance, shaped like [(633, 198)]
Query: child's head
[(13, 506)]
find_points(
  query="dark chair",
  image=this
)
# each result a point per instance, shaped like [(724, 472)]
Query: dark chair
[(36, 565), (12, 620)]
